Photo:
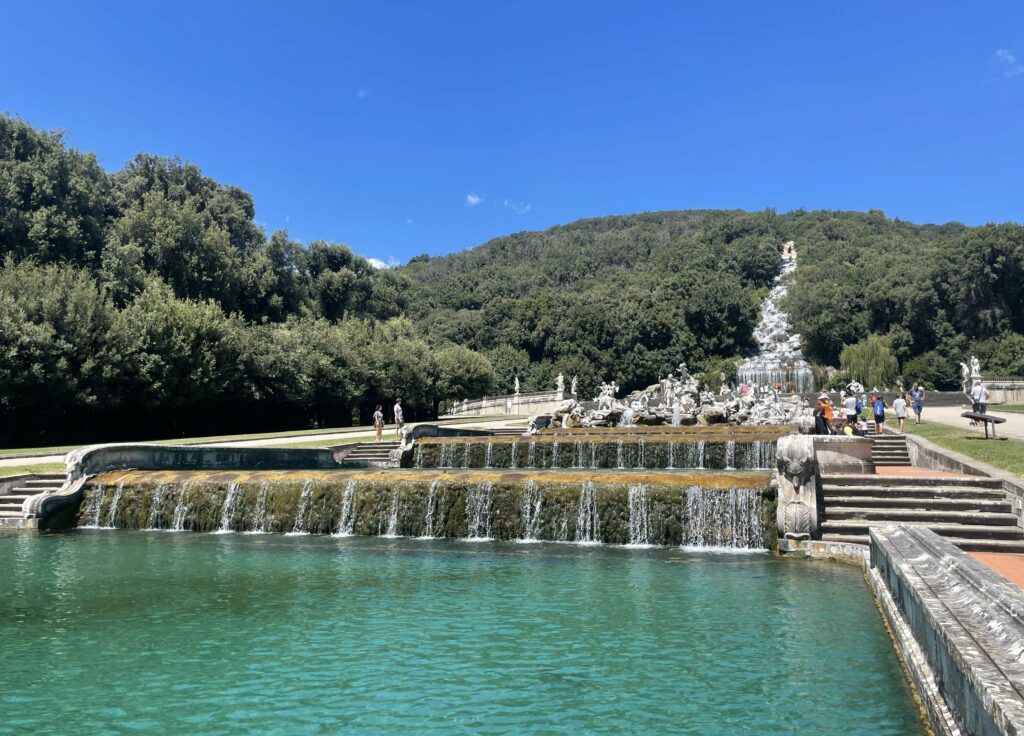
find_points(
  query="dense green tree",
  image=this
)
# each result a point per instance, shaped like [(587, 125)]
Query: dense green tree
[(871, 362)]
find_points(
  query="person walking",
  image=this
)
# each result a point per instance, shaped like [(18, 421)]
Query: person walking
[(820, 427), (900, 407), (917, 401), (399, 418), (982, 398), (378, 422), (850, 407), (979, 400), (878, 407)]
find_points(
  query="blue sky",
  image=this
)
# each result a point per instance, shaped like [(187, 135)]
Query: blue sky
[(402, 128)]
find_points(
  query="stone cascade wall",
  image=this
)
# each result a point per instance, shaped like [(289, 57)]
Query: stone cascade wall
[(463, 507), (539, 402), (652, 452)]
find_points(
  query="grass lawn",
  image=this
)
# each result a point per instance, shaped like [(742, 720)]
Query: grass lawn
[(62, 449), (1004, 454), (7, 472), (1015, 408), (322, 444)]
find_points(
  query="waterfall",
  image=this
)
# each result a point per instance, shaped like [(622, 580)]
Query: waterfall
[(180, 510), (419, 456), (156, 507), (227, 511), (700, 454), (639, 516), (428, 522), (392, 531), (531, 455), (532, 500), (593, 454), (488, 455), (91, 513), (515, 455), (299, 527), (588, 524), (465, 454), (577, 455), (112, 514), (671, 455), (730, 454), (447, 455), (554, 455), (778, 359), (620, 460), (347, 522), (724, 518), (563, 527), (259, 521), (641, 461), (478, 511)]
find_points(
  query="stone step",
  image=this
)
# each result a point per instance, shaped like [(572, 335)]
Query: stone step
[(968, 545), (4, 514), (915, 492), (852, 513), (5, 506), (860, 526), (44, 481), (34, 490), (860, 479), (910, 502)]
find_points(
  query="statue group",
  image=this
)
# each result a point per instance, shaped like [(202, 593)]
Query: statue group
[(970, 375)]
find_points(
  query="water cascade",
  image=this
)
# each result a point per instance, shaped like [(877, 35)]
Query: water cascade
[(447, 455), (778, 359), (531, 455), (489, 455), (180, 511), (640, 460), (392, 531), (112, 514), (588, 523), (514, 462), (730, 519), (730, 455), (639, 516), (347, 521), (620, 460), (419, 456), (299, 527), (91, 511), (478, 511), (431, 515), (671, 455), (532, 500), (259, 521), (554, 455), (227, 514), (156, 507)]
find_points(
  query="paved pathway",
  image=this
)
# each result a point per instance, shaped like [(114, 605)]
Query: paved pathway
[(1010, 566), (327, 438), (950, 415)]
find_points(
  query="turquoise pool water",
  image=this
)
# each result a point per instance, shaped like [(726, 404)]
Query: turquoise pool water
[(155, 632)]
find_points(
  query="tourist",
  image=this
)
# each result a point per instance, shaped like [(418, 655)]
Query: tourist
[(980, 395), (848, 430), (378, 422), (878, 407), (862, 426), (850, 407), (820, 427), (828, 416), (917, 401), (399, 418), (900, 407)]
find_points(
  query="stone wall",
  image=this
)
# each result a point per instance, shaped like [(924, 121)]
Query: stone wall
[(523, 404), (1005, 390), (958, 626)]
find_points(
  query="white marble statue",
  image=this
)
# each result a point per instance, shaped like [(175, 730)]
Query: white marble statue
[(965, 378), (515, 385), (560, 384), (574, 385), (975, 368)]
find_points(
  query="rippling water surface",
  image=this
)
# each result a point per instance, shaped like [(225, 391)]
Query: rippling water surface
[(200, 633)]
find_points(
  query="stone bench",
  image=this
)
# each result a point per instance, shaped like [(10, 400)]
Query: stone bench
[(987, 419)]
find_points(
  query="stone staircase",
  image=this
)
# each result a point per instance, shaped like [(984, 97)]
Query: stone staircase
[(11, 501), (371, 453), (889, 449), (972, 513)]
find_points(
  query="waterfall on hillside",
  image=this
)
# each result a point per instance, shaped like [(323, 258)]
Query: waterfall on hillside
[(112, 514), (478, 511), (299, 527), (588, 524), (639, 516), (227, 512), (532, 500), (724, 518), (156, 507), (432, 518), (778, 359)]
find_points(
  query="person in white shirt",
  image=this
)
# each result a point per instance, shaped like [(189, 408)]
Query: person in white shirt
[(979, 399), (399, 419), (900, 407), (850, 407)]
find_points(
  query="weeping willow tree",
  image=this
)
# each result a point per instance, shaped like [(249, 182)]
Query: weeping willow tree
[(871, 362)]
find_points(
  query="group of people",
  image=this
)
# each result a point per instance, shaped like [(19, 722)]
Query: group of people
[(378, 420), (849, 418)]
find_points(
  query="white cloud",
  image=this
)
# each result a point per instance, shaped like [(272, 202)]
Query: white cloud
[(377, 263), (362, 93), (520, 208), (1011, 67), (408, 220), (472, 200)]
